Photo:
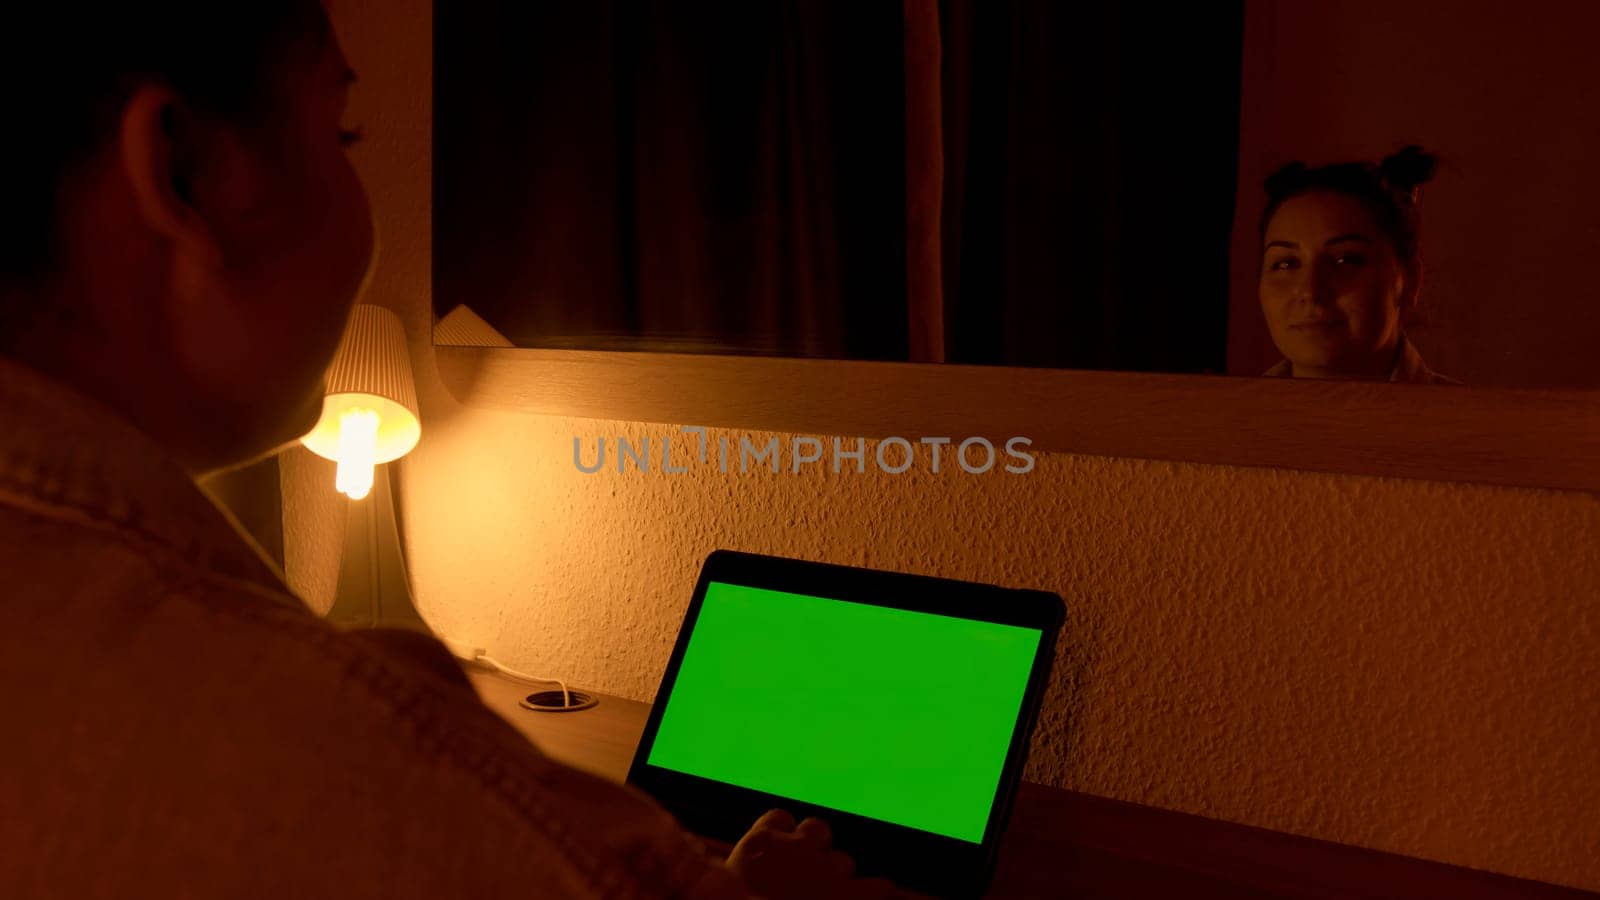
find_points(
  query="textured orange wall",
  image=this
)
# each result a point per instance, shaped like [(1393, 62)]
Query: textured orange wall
[(1405, 665)]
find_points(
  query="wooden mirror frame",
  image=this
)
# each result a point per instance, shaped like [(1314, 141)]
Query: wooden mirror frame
[(1521, 438)]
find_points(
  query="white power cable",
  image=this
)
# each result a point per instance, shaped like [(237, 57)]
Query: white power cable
[(491, 662), (471, 654)]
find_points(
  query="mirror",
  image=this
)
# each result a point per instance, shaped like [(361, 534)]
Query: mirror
[(1034, 184)]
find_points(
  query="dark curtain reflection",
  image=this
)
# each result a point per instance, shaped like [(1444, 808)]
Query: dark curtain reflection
[(823, 177), (719, 176), (1091, 152)]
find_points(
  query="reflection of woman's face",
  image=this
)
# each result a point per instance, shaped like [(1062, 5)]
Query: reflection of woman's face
[(1331, 287)]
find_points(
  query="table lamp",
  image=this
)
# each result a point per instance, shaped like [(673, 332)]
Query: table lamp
[(369, 413), (369, 417)]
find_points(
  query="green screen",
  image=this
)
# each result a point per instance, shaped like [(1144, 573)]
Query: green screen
[(900, 716)]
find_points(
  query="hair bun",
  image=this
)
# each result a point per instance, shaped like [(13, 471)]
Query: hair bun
[(1286, 179), (1408, 168)]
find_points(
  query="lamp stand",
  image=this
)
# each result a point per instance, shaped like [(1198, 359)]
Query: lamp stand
[(374, 591)]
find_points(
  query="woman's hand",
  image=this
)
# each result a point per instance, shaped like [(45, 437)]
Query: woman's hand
[(780, 860)]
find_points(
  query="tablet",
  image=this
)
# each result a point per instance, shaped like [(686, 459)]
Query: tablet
[(896, 707)]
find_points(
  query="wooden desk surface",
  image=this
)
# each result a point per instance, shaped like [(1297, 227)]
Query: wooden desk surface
[(1063, 843)]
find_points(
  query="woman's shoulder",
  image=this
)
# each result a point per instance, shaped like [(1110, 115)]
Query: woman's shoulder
[(1412, 369)]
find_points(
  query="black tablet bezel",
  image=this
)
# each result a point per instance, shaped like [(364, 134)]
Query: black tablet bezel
[(919, 860)]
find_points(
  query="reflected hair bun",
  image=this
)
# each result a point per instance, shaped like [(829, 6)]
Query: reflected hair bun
[(1387, 187), (1287, 179), (1408, 168)]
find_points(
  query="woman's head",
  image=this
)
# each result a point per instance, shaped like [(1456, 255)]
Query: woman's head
[(1341, 261), (181, 233)]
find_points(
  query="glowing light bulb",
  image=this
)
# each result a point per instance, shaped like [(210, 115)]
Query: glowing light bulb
[(358, 451)]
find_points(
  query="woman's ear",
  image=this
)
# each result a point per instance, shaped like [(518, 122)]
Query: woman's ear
[(156, 143)]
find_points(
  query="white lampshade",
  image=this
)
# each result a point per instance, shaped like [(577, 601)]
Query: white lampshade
[(369, 416)]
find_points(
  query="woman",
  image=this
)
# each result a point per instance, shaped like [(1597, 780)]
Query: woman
[(1341, 268)]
